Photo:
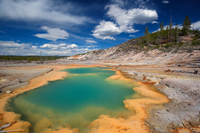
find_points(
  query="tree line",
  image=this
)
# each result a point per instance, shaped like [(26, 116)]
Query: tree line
[(170, 33), (29, 58)]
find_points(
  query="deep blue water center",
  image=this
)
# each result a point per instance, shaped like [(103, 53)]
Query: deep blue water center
[(77, 100)]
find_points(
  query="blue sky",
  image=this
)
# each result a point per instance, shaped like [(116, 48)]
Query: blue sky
[(69, 27)]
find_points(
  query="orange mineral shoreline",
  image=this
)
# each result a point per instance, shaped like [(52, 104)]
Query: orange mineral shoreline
[(132, 124)]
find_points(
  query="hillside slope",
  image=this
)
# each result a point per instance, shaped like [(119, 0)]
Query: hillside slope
[(186, 52)]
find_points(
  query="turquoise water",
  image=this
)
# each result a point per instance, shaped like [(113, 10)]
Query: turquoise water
[(75, 101)]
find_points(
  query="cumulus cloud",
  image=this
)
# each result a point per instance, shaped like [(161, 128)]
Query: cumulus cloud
[(123, 21), (131, 35), (127, 18), (154, 22), (63, 49), (14, 48), (72, 46), (105, 29), (173, 26), (196, 25), (12, 44), (61, 46), (53, 34), (165, 1), (34, 47), (67, 52), (38, 10), (90, 41)]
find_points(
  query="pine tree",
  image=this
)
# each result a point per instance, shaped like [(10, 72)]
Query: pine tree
[(167, 32), (161, 28), (170, 29), (146, 33), (176, 33), (186, 26), (158, 37)]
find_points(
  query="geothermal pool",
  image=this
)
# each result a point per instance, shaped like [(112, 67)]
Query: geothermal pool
[(76, 101)]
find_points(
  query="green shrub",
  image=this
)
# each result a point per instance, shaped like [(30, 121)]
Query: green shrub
[(194, 42), (180, 44), (168, 45), (197, 36), (157, 46), (118, 50)]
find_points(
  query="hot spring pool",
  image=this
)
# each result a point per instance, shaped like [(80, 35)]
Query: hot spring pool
[(75, 101)]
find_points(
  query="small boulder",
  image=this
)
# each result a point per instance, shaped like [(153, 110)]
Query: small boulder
[(168, 70), (8, 91), (195, 71)]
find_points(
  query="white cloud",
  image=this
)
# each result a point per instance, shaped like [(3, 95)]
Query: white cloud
[(123, 21), (105, 29), (196, 25), (63, 49), (61, 46), (12, 44), (13, 48), (126, 18), (90, 41), (173, 26), (154, 22), (131, 35), (165, 1), (72, 46), (39, 10), (34, 47), (53, 34), (66, 52), (50, 46)]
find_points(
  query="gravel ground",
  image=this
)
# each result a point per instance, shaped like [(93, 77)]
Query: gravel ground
[(182, 111), (12, 78)]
